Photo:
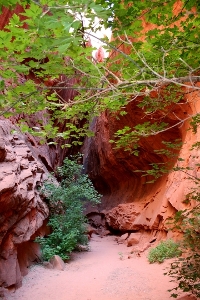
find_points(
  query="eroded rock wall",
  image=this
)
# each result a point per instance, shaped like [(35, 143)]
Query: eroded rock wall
[(22, 211), (129, 203)]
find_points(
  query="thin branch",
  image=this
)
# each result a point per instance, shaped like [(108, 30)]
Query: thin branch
[(186, 64), (20, 99), (70, 88), (177, 124), (196, 178), (177, 81), (156, 82), (114, 48), (109, 72)]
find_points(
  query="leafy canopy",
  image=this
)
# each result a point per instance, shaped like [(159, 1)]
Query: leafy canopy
[(49, 39)]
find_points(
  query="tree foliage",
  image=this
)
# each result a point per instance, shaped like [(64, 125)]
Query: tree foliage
[(49, 38), (156, 68), (66, 202), (185, 271)]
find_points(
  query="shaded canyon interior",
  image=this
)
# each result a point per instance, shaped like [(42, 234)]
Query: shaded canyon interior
[(128, 204)]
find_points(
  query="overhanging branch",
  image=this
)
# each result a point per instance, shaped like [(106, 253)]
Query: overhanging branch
[(125, 84)]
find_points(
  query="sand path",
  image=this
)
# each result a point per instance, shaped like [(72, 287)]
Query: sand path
[(100, 274)]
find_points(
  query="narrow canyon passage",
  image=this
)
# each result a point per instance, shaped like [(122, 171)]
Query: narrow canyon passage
[(106, 272)]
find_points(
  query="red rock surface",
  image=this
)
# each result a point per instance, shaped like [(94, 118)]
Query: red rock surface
[(22, 211), (129, 203), (24, 164), (7, 14)]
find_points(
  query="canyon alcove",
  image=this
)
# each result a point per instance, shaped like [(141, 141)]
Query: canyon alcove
[(129, 104)]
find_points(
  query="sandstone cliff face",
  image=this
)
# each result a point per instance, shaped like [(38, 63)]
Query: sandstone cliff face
[(22, 211), (129, 203)]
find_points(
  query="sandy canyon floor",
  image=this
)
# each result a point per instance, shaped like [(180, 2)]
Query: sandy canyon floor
[(106, 272)]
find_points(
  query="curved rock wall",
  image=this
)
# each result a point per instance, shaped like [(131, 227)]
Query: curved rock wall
[(22, 211), (129, 203), (113, 170)]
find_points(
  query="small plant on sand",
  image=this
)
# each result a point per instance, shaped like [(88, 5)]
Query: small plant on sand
[(166, 249), (66, 203), (121, 256)]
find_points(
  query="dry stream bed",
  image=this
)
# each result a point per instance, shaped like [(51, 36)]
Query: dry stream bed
[(106, 272)]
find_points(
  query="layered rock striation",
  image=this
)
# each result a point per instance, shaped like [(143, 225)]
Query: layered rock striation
[(22, 210), (129, 203)]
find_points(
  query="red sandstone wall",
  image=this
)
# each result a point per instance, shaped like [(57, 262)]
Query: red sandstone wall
[(129, 203), (22, 211)]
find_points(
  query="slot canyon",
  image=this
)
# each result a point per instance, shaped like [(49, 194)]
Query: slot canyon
[(132, 208)]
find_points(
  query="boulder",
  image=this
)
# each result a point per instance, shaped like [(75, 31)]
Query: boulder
[(122, 239), (133, 239), (90, 230), (57, 263), (47, 265), (103, 232), (141, 248)]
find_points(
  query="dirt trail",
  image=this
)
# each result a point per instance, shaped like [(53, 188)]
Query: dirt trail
[(100, 274)]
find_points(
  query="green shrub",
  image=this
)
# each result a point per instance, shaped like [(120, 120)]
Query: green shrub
[(185, 271), (66, 203), (166, 249)]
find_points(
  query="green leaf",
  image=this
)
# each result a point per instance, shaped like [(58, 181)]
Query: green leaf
[(22, 69), (2, 85), (63, 48)]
